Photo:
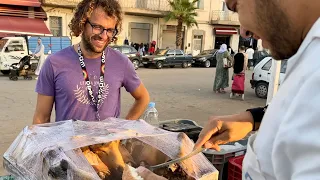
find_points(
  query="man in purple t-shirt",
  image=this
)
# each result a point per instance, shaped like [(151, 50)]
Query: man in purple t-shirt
[(84, 80)]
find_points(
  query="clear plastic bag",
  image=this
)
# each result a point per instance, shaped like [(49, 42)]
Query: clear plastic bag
[(52, 151)]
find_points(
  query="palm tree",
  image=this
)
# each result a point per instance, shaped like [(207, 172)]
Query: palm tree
[(184, 11)]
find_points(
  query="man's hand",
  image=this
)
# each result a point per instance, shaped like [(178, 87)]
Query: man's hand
[(148, 175), (225, 129)]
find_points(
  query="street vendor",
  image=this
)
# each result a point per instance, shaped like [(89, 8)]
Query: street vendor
[(287, 144), (84, 80)]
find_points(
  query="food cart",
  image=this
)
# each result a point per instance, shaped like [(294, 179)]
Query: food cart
[(55, 150)]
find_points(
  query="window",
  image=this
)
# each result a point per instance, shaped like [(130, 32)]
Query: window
[(15, 45), (170, 53), (267, 66), (179, 53), (116, 48), (126, 50), (197, 42), (55, 25), (200, 4), (133, 50)]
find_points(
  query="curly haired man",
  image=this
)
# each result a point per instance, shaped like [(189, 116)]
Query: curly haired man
[(84, 80)]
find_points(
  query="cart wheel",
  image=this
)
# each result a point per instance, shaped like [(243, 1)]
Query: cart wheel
[(231, 95), (242, 97), (15, 78), (29, 78)]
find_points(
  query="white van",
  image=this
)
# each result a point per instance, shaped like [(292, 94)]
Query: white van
[(12, 49), (262, 74)]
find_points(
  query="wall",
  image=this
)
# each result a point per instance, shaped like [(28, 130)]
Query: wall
[(234, 42), (66, 15), (127, 19)]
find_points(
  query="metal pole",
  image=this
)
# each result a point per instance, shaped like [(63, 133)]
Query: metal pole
[(274, 79)]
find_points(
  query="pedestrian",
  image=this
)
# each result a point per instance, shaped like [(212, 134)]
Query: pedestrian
[(224, 60), (126, 41), (141, 50), (287, 144), (240, 61), (84, 81), (250, 53), (230, 50), (39, 53), (239, 68), (146, 48)]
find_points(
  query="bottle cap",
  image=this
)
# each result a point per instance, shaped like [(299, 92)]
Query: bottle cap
[(152, 105)]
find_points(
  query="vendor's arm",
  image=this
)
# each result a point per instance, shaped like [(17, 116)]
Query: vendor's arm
[(135, 87), (257, 115), (46, 91), (224, 129), (296, 153)]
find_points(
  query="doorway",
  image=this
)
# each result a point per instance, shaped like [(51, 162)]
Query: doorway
[(222, 40)]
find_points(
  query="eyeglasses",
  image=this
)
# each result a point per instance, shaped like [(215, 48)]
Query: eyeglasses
[(98, 29)]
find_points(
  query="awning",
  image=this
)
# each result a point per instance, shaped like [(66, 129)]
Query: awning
[(225, 31), (23, 26), (30, 3)]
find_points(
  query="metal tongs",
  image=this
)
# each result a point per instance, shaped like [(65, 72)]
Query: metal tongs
[(195, 152)]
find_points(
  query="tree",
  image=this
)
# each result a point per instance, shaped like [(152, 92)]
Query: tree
[(184, 11)]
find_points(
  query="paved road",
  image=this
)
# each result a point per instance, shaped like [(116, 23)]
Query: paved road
[(178, 93)]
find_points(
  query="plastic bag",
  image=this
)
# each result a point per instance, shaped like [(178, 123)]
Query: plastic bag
[(52, 151)]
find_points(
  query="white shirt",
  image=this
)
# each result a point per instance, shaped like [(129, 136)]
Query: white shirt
[(287, 145), (250, 53)]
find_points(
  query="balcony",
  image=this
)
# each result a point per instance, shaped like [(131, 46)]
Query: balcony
[(61, 3), (225, 18), (153, 8)]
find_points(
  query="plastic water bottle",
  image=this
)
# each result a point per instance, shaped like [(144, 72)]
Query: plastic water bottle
[(151, 115)]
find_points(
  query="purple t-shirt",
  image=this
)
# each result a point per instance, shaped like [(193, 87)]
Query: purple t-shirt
[(61, 77)]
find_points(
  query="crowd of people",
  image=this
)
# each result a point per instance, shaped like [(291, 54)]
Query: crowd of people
[(143, 48)]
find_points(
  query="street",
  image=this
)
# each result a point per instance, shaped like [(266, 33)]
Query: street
[(178, 93)]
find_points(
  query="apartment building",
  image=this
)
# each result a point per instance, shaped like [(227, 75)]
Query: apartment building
[(144, 22)]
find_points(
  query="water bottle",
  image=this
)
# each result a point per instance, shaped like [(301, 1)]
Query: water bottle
[(151, 115)]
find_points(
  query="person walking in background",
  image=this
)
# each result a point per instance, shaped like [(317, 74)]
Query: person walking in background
[(250, 53), (224, 60), (141, 50), (239, 68), (230, 50), (240, 61), (39, 53)]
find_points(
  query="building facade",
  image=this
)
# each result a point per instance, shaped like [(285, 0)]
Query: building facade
[(144, 22), (20, 18)]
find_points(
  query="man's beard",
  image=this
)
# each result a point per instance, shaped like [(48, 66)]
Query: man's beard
[(89, 46), (277, 30)]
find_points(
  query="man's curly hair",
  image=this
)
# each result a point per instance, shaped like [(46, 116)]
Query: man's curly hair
[(85, 9)]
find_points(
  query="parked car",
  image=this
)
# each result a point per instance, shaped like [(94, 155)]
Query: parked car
[(131, 53), (206, 58), (167, 57), (262, 74), (259, 55)]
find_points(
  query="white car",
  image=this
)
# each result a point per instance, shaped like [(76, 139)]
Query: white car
[(262, 74)]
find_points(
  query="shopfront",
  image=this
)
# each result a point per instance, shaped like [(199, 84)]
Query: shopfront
[(22, 18)]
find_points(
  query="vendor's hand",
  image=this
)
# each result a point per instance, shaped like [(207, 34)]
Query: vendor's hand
[(146, 174), (225, 129)]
